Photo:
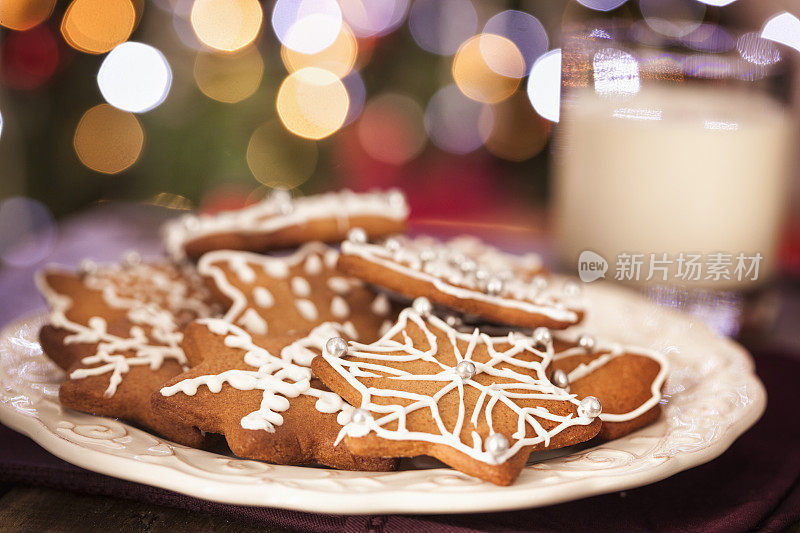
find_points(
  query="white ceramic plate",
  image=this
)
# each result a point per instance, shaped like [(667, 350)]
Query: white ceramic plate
[(713, 397)]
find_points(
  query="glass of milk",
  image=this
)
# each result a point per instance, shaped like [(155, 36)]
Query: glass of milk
[(660, 169)]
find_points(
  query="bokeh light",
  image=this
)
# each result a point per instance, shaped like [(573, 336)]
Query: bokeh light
[(229, 78), (487, 68), (134, 77), (602, 5), (312, 103), (391, 129), (451, 120), (28, 59), (369, 18), (21, 15), (522, 29), (278, 159), (511, 129), (28, 231), (97, 26), (226, 25), (757, 50), (615, 72), (307, 26), (108, 140), (338, 58), (673, 18), (783, 28), (709, 38), (440, 26), (717, 3), (544, 85), (357, 93)]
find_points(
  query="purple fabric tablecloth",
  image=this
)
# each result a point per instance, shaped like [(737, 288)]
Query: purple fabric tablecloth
[(755, 485)]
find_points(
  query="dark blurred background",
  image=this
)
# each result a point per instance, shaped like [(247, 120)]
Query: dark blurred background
[(225, 99)]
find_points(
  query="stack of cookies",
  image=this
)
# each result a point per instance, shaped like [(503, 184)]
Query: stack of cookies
[(352, 356)]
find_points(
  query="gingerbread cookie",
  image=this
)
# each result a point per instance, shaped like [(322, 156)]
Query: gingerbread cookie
[(282, 222), (495, 286), (627, 380), (480, 404), (262, 397), (117, 331), (290, 295)]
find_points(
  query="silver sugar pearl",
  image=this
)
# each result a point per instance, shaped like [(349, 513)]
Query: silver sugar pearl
[(131, 258), (422, 305), (481, 275), (559, 379), (539, 282), (397, 198), (360, 416), (496, 444), (465, 369), (587, 342), (427, 255), (336, 346), (357, 235), (468, 265), (572, 289), (542, 337), (88, 268), (494, 286), (453, 321), (591, 407), (391, 244)]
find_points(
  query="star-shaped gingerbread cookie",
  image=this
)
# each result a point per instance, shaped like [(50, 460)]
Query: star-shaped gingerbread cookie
[(464, 275), (117, 330), (281, 222), (480, 404), (262, 396)]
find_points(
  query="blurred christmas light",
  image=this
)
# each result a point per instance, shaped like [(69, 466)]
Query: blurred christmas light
[(709, 38), (108, 140), (369, 18), (182, 24), (615, 72), (440, 26), (512, 130), (28, 231), (544, 85), (312, 103), (783, 28), (1, 124), (226, 25), (487, 68), (673, 18), (391, 129), (338, 58), (134, 77), (97, 26), (29, 59), (602, 5), (171, 201), (307, 26), (229, 78), (357, 93), (717, 3), (757, 50), (279, 159), (21, 15), (522, 29), (451, 120)]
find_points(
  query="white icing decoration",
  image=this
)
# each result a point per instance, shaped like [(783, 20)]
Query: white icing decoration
[(524, 386), (151, 295), (307, 309), (443, 271), (340, 285), (263, 297), (313, 265), (301, 287), (380, 305), (280, 378), (339, 307), (270, 216), (253, 322)]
